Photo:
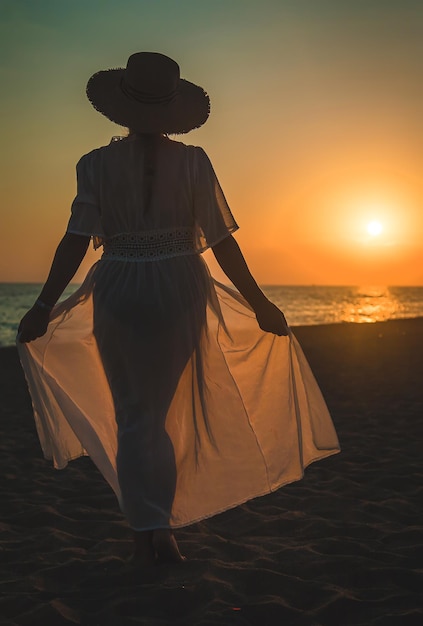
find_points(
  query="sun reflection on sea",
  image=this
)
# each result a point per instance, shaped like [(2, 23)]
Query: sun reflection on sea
[(316, 304), (370, 304)]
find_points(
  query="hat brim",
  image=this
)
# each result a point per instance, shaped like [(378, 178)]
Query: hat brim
[(189, 108)]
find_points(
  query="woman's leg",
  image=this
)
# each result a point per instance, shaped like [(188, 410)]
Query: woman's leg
[(144, 358)]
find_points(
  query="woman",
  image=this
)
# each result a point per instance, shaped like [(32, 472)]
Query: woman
[(190, 397)]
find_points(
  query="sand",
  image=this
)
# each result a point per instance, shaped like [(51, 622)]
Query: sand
[(341, 547)]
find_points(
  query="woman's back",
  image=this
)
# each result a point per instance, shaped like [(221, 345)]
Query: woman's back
[(115, 176), (183, 192)]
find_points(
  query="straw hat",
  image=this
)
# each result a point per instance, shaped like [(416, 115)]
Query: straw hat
[(149, 96)]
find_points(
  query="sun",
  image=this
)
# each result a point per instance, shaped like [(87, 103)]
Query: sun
[(374, 228)]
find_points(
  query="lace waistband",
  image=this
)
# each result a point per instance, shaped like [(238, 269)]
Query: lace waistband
[(150, 245)]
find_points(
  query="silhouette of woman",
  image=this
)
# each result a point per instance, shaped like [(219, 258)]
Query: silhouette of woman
[(189, 396)]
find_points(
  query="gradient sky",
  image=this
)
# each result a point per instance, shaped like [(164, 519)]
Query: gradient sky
[(316, 126)]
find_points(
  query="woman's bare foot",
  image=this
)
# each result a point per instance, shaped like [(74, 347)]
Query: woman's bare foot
[(166, 547), (144, 553)]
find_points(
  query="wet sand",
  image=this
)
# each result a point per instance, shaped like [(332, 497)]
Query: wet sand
[(341, 547)]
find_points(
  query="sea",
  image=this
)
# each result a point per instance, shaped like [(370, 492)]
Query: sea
[(302, 305)]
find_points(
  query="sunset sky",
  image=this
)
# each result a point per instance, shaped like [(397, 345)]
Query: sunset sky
[(316, 128)]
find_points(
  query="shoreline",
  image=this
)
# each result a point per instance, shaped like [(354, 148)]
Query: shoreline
[(341, 546), (320, 325)]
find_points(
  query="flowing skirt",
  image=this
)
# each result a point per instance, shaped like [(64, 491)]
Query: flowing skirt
[(163, 377)]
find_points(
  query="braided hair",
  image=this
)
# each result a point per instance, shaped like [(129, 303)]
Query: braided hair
[(150, 149), (150, 141)]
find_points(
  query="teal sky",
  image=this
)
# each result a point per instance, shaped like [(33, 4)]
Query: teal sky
[(317, 109)]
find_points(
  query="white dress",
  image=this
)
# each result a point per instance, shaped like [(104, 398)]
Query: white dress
[(156, 371)]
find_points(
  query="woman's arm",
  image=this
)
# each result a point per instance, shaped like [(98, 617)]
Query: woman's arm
[(232, 262), (69, 254)]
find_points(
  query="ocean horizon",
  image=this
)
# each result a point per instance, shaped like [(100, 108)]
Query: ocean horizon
[(303, 305)]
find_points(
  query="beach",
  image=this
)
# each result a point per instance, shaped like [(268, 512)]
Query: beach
[(343, 546)]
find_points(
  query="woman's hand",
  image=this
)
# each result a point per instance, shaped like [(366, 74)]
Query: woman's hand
[(69, 254), (230, 258), (271, 319), (33, 324)]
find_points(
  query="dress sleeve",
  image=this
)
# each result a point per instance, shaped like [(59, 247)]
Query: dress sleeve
[(212, 215), (85, 216)]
